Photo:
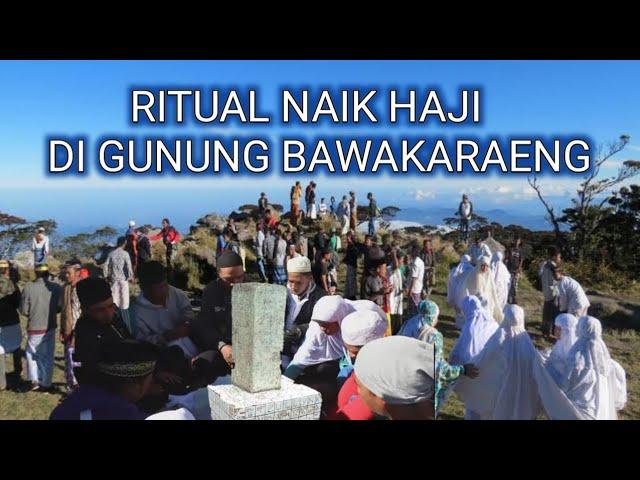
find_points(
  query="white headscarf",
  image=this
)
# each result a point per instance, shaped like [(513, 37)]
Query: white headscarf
[(504, 388), (558, 355), (474, 282), (478, 328), (400, 370), (367, 306), (501, 278), (455, 275), (589, 377), (319, 347), (361, 327)]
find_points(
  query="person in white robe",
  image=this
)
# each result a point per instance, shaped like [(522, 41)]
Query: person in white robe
[(454, 283), (478, 328), (501, 279), (316, 364), (477, 250), (565, 332), (323, 341), (591, 380), (505, 389), (396, 297), (479, 282)]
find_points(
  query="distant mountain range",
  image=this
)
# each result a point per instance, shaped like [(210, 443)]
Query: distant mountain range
[(436, 216), (423, 216)]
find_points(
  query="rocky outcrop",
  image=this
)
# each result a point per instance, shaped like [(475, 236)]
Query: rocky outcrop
[(614, 311)]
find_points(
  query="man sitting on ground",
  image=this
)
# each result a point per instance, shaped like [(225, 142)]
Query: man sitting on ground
[(101, 322), (211, 330), (162, 313)]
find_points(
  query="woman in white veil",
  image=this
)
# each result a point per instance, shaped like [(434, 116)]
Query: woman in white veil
[(501, 278), (505, 389), (478, 328), (454, 282), (479, 282), (565, 332), (591, 380)]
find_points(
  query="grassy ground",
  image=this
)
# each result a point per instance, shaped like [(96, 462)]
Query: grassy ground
[(17, 405)]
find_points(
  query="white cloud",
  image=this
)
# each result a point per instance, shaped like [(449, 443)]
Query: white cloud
[(498, 189), (420, 195)]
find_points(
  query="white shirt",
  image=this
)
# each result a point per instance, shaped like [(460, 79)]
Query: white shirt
[(44, 243), (295, 304), (549, 285), (395, 297), (154, 320), (466, 209), (259, 243), (571, 297), (417, 272)]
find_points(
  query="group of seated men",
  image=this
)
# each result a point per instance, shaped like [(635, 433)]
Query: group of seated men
[(159, 347)]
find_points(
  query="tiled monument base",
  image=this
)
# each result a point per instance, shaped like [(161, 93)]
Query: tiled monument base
[(290, 402)]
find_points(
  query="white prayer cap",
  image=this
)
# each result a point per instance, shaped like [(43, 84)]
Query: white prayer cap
[(367, 305), (299, 264), (398, 369), (331, 308), (132, 223), (361, 327), (465, 259), (484, 260)]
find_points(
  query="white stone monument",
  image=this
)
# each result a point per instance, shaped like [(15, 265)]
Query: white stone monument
[(258, 390)]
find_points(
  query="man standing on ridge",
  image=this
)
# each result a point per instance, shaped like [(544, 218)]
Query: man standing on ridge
[(465, 211)]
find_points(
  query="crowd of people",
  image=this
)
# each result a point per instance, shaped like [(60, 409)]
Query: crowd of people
[(370, 346)]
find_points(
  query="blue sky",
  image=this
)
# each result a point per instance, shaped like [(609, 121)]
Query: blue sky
[(37, 99)]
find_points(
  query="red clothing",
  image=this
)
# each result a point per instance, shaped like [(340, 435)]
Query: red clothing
[(350, 405), (169, 235), (272, 222)]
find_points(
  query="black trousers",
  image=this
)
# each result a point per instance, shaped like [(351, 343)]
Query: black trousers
[(549, 313)]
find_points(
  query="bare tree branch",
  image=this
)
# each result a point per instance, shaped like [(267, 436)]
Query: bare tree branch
[(552, 217)]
